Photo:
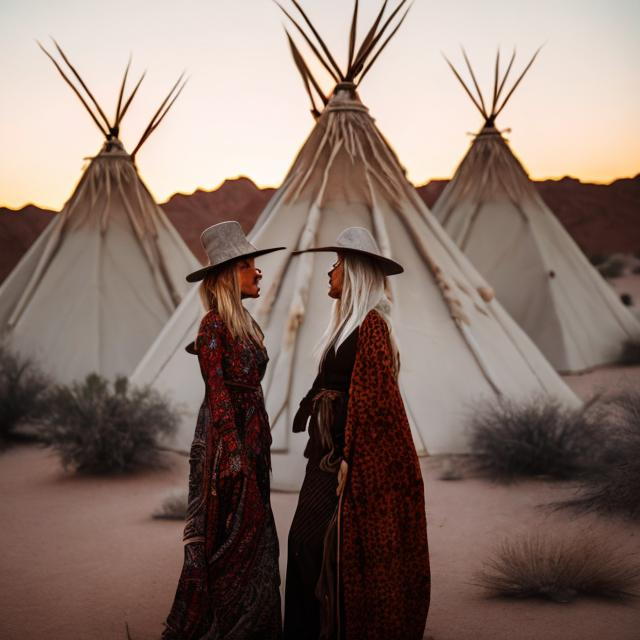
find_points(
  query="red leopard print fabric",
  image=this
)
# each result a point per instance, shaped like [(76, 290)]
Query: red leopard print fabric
[(384, 557)]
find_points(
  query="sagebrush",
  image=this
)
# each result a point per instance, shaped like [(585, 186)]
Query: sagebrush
[(99, 427), (539, 437), (23, 389), (613, 488), (173, 507), (560, 568), (614, 267), (630, 354)]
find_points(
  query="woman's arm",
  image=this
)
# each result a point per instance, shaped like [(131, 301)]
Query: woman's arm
[(305, 408), (374, 389), (211, 343)]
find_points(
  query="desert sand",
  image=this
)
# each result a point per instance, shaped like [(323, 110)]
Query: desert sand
[(82, 556)]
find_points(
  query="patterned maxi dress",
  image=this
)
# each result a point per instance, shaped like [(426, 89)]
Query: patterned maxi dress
[(229, 586)]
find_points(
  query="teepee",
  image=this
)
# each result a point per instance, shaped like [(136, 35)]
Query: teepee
[(457, 344), (101, 281), (493, 212)]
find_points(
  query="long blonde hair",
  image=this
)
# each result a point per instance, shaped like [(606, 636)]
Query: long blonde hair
[(363, 289), (221, 289)]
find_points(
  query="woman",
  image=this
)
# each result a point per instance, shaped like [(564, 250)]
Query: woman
[(229, 586), (358, 565)]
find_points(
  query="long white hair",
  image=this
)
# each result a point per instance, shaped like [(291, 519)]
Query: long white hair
[(363, 289)]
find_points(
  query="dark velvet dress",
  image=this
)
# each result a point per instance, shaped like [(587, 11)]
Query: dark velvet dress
[(317, 501), (229, 586)]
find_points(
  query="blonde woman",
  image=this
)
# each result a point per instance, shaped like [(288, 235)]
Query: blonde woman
[(229, 586), (358, 563)]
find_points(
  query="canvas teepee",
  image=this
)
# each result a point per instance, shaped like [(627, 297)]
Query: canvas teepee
[(495, 215), (101, 281), (457, 344)]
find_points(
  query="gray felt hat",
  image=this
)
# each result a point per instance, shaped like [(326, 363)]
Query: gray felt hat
[(359, 240), (223, 243)]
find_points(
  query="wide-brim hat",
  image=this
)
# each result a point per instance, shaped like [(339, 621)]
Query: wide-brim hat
[(223, 243), (360, 241)]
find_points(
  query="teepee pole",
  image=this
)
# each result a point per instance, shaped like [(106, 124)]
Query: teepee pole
[(515, 86), (366, 52), (319, 39), (495, 83), (473, 78), (159, 115), (382, 47), (121, 93), (130, 98), (81, 98), (352, 34), (82, 83), (464, 86), (356, 66), (307, 77), (504, 79), (336, 76)]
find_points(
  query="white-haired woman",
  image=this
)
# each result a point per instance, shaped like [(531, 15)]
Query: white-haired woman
[(358, 563), (229, 586)]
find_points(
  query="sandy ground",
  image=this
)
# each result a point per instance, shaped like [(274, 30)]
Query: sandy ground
[(82, 556)]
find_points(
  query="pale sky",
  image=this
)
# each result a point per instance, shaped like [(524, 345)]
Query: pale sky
[(245, 112)]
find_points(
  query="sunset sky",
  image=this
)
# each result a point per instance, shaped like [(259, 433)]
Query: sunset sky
[(245, 112)]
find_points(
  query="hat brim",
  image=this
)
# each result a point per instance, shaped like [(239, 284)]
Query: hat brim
[(389, 267), (200, 274)]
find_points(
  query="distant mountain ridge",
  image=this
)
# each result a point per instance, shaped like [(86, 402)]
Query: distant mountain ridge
[(603, 219)]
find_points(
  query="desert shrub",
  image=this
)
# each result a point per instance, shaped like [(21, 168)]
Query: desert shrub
[(96, 427), (630, 354), (23, 388), (451, 469), (614, 486), (539, 437), (559, 568), (598, 259), (613, 268), (173, 507)]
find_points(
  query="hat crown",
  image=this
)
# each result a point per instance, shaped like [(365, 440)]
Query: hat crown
[(358, 238), (225, 241)]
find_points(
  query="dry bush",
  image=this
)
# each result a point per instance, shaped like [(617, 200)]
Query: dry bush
[(598, 259), (173, 507), (559, 568), (96, 427), (612, 268), (23, 388), (451, 469), (630, 355), (539, 437), (613, 488)]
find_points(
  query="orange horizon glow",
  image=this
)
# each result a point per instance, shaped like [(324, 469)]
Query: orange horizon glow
[(245, 112), (17, 209)]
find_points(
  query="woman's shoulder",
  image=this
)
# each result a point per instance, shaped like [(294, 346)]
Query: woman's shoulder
[(212, 321), (373, 323)]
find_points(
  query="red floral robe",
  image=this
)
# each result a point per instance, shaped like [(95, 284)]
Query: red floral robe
[(229, 586), (384, 558)]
